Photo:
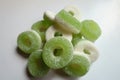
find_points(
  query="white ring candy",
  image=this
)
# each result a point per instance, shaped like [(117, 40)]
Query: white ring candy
[(82, 53), (51, 32), (74, 10), (50, 15), (87, 45)]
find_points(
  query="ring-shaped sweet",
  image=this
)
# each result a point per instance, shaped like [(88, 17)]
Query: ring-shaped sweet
[(50, 33), (78, 66), (73, 10), (89, 48), (57, 52), (36, 65), (29, 41)]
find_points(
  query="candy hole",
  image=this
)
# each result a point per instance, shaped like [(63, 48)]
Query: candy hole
[(57, 52), (57, 34), (71, 13), (86, 51), (75, 66), (27, 42), (42, 29)]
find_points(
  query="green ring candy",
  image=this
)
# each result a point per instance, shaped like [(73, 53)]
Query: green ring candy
[(41, 27), (90, 30), (61, 46), (29, 41), (67, 22), (36, 66), (78, 66), (76, 38)]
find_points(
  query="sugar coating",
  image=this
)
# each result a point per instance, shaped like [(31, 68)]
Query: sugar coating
[(60, 41), (90, 30), (87, 45), (78, 66), (50, 15), (36, 66), (65, 56), (66, 21), (74, 11), (29, 41), (40, 27), (51, 32)]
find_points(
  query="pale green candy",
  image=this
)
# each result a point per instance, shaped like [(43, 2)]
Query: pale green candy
[(57, 52), (78, 66), (41, 27), (67, 22), (29, 41), (36, 66), (90, 30), (76, 38)]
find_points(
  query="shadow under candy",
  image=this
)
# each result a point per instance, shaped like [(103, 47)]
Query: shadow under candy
[(62, 74), (21, 53), (51, 75)]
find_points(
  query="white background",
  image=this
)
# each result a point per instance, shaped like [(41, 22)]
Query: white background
[(17, 16)]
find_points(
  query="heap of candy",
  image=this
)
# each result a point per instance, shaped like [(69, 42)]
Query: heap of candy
[(60, 41)]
